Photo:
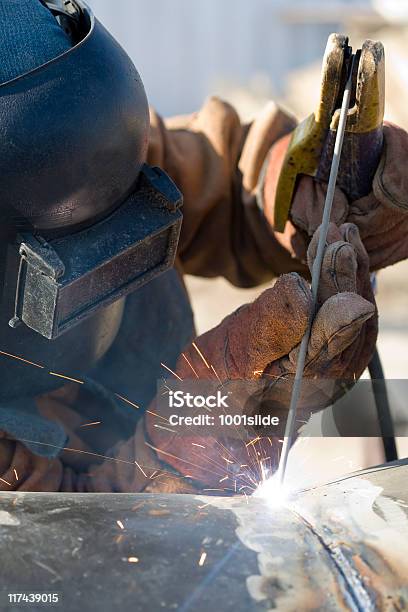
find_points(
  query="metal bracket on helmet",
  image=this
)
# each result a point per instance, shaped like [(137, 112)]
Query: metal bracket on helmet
[(65, 280), (71, 8), (69, 16)]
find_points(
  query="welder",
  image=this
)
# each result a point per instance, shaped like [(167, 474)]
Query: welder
[(90, 303)]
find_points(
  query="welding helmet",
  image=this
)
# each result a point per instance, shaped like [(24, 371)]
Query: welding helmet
[(84, 221)]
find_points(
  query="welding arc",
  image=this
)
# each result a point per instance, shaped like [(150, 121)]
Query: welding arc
[(316, 271)]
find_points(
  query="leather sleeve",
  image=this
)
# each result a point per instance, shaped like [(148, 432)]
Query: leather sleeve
[(216, 161)]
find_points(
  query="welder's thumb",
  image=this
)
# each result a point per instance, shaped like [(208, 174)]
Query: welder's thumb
[(337, 325)]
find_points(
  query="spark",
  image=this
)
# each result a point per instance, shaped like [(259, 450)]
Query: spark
[(195, 444), (15, 474), (171, 371), (156, 476), (204, 506), (120, 524), (91, 424), (125, 399), (158, 416), (202, 559), (219, 379), (252, 442), (165, 428), (246, 498), (213, 490), (74, 380), (223, 479), (141, 469), (5, 482), (228, 460), (36, 365), (201, 355), (186, 359), (133, 560)]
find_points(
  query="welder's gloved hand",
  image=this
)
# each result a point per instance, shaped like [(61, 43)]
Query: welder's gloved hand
[(381, 216), (258, 341)]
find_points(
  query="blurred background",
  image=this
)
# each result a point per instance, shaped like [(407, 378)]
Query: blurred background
[(247, 53)]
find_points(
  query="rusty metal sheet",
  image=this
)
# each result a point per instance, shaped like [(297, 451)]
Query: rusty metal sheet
[(343, 546)]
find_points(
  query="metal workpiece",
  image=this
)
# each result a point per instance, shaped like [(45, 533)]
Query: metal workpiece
[(342, 546)]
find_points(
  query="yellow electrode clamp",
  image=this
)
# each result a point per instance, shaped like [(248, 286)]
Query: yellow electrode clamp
[(307, 145)]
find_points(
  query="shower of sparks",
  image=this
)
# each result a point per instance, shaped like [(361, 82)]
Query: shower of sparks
[(68, 378), (207, 365), (163, 365), (202, 559), (246, 478), (120, 524)]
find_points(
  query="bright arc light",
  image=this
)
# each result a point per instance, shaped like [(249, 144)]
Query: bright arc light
[(273, 491)]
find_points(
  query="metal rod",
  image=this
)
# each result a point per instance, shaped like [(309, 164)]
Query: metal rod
[(316, 271)]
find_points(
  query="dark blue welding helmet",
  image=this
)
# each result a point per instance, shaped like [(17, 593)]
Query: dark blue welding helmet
[(84, 221)]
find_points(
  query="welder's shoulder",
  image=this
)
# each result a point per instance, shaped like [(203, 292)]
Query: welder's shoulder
[(213, 133)]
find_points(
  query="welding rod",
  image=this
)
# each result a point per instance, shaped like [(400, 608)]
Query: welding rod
[(316, 271)]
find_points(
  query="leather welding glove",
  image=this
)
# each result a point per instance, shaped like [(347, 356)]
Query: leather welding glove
[(381, 216), (258, 341)]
